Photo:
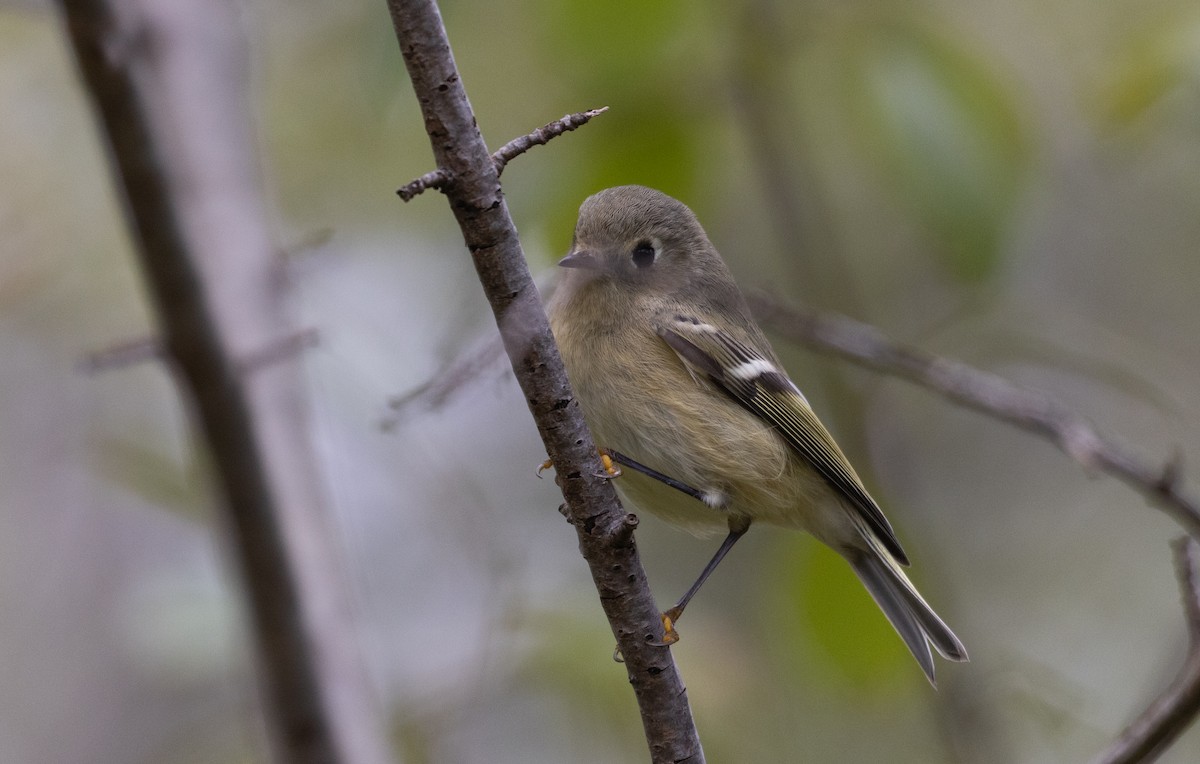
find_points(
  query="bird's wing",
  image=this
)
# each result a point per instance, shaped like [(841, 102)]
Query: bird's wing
[(759, 385)]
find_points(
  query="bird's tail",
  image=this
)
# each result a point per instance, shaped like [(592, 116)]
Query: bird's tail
[(910, 615)]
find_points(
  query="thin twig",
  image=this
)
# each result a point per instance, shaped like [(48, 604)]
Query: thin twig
[(414, 188), (1187, 557), (601, 525), (280, 350), (986, 393), (516, 147), (144, 349), (543, 135), (167, 81), (1176, 708), (123, 355), (1165, 718), (434, 392)]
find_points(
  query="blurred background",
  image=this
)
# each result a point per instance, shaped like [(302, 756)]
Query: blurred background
[(1012, 184)]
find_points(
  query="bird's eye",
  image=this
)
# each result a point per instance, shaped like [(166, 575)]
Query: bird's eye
[(644, 254)]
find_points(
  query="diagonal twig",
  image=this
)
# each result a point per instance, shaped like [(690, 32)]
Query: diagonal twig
[(987, 393), (1177, 707), (449, 380), (543, 135), (501, 157), (123, 355)]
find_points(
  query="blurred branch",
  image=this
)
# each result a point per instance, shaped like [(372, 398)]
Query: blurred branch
[(133, 352), (986, 393), (604, 530), (167, 81), (439, 178), (123, 355), (1176, 708), (454, 375)]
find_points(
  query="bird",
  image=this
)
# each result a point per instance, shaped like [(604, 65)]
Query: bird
[(679, 384)]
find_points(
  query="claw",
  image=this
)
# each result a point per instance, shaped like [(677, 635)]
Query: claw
[(611, 468), (670, 635)]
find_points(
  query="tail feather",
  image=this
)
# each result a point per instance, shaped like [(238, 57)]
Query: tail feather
[(909, 614)]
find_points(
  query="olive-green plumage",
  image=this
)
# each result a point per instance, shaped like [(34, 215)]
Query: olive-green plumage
[(672, 371)]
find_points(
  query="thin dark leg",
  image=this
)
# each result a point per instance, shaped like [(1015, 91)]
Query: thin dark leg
[(737, 529), (625, 461), (669, 618), (726, 545)]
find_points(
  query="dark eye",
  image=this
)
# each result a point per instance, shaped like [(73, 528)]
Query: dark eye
[(643, 254)]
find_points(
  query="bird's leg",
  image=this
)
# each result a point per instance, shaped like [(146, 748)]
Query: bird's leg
[(737, 528), (736, 531), (611, 459), (678, 485)]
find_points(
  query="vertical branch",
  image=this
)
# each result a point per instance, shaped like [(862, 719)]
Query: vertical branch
[(166, 82), (605, 532)]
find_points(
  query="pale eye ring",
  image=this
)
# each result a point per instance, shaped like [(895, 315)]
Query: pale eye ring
[(644, 254)]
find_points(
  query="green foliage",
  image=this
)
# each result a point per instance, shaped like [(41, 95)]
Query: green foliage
[(181, 628), (1153, 65), (819, 597), (628, 55), (945, 135), (155, 478), (570, 659)]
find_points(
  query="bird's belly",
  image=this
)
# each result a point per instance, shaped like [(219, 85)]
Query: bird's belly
[(740, 462), (639, 400)]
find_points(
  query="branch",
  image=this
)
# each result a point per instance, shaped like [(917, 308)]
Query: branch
[(986, 393), (472, 188), (167, 83), (1171, 713), (439, 178), (543, 135), (449, 380), (123, 355), (1176, 708)]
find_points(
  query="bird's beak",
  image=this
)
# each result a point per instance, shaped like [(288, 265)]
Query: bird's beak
[(581, 259)]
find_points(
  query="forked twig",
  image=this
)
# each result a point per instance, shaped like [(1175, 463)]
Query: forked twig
[(500, 158)]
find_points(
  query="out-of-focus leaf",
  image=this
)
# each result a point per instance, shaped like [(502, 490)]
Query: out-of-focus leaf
[(636, 38), (653, 133), (569, 657), (1154, 66), (637, 147), (819, 596), (147, 473), (180, 628), (945, 134)]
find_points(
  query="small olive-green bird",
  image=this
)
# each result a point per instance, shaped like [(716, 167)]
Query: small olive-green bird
[(678, 383)]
